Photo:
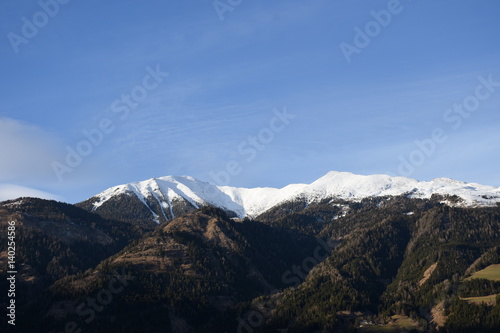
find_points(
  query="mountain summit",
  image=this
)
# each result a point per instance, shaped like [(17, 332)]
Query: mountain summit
[(163, 199)]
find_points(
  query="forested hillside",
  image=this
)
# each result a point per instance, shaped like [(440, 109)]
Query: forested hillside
[(388, 264)]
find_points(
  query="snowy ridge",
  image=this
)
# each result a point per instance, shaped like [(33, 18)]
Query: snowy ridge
[(254, 201)]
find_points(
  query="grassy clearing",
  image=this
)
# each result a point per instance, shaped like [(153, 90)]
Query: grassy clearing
[(398, 324), (491, 272), (427, 274), (490, 300)]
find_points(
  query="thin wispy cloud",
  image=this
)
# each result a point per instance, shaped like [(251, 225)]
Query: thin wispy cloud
[(10, 192), (27, 153)]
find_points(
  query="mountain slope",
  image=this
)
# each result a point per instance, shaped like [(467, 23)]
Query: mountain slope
[(180, 276), (54, 240), (391, 264), (396, 261), (162, 199)]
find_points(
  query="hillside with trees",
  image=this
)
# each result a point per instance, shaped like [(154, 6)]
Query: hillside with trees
[(388, 264)]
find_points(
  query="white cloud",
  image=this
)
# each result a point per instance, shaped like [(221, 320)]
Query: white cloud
[(9, 191), (26, 153)]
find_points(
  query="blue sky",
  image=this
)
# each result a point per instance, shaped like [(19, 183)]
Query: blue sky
[(227, 80)]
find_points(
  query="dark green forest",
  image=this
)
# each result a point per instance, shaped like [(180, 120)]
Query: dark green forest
[(393, 265)]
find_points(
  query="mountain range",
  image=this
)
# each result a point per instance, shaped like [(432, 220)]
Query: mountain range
[(168, 197), (346, 253)]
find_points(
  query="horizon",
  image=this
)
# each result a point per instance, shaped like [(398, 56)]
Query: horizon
[(250, 94)]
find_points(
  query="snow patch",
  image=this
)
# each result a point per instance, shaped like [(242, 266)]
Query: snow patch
[(252, 202)]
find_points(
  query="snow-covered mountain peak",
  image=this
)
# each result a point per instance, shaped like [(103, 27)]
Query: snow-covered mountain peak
[(171, 191), (347, 185)]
